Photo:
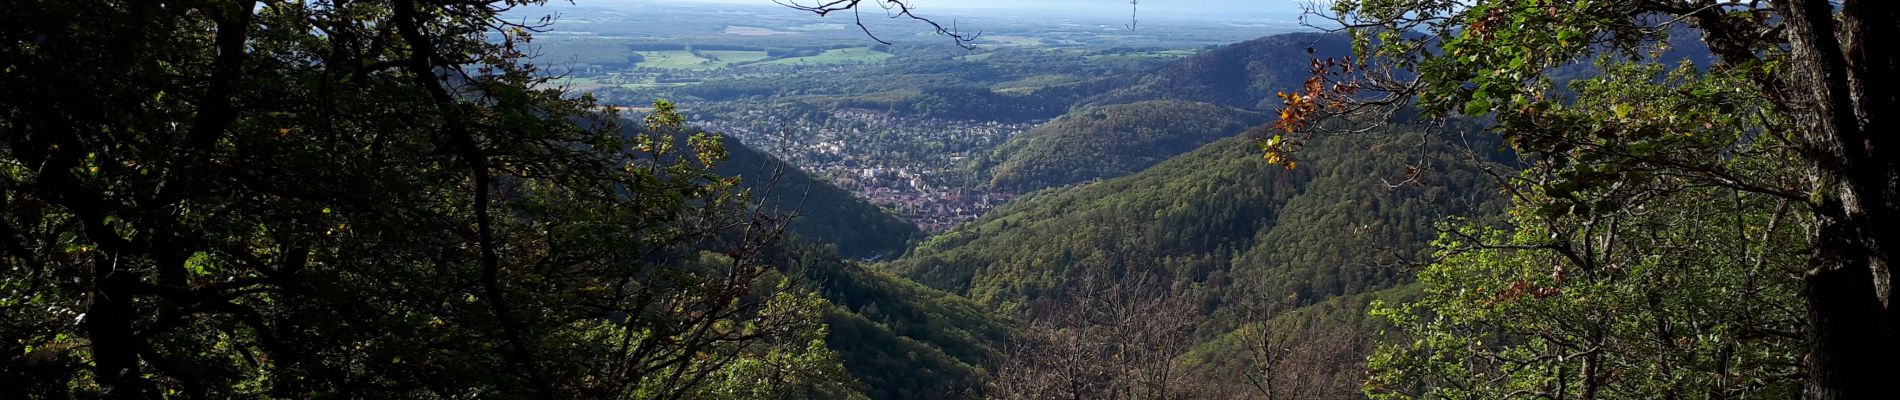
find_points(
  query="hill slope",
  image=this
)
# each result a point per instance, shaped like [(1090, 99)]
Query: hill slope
[(1219, 220), (902, 340), (899, 338), (1243, 75), (1154, 115), (1107, 142), (827, 214)]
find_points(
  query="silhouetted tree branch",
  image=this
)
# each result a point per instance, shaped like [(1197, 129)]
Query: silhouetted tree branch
[(892, 8)]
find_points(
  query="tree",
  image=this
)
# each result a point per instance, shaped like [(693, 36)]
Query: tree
[(213, 199), (1107, 339), (1685, 292), (1792, 109), (1303, 362)]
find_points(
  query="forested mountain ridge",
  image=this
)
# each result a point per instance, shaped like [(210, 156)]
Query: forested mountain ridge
[(820, 211), (1236, 234), (1241, 75), (1317, 351), (935, 80), (1108, 141), (824, 213), (900, 339), (1157, 114), (1194, 271), (1221, 219)]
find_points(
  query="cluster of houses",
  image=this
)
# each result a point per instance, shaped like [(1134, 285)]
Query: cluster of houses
[(933, 208), (902, 163)]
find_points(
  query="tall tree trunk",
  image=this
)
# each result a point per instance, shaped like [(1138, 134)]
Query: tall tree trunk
[(1850, 356), (1874, 82), (1845, 75), (108, 327)]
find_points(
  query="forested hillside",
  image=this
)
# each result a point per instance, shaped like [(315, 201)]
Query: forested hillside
[(825, 213), (1213, 273), (900, 339), (822, 212), (938, 80), (1317, 351), (1236, 236), (1243, 75), (1220, 220), (1107, 142), (1149, 116)]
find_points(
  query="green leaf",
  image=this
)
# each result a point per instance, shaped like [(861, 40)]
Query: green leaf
[(198, 264), (1478, 106)]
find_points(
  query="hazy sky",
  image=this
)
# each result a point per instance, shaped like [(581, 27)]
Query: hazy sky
[(1231, 9)]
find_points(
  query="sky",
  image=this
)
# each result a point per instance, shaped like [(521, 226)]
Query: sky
[(1229, 9)]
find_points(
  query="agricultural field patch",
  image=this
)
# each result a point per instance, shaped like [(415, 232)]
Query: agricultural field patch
[(1033, 83), (854, 55), (731, 57), (677, 59)]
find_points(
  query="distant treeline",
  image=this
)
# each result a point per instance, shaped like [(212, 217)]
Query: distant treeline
[(774, 51)]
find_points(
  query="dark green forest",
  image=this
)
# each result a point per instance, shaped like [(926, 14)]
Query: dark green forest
[(821, 213), (1483, 199), (1242, 75), (1270, 226), (1106, 142)]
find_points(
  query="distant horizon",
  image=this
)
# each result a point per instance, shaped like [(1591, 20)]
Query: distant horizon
[(1221, 10)]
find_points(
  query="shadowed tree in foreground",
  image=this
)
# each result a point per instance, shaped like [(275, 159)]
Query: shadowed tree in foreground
[(249, 199), (1792, 120)]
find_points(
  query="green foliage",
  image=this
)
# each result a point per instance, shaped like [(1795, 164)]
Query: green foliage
[(957, 102), (1238, 228), (897, 367), (1107, 142), (931, 82), (371, 199), (1312, 352), (819, 211), (1241, 75), (903, 340), (1654, 248), (798, 364), (824, 212), (1687, 303)]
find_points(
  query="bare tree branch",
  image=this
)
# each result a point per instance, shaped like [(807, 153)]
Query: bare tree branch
[(892, 8)]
